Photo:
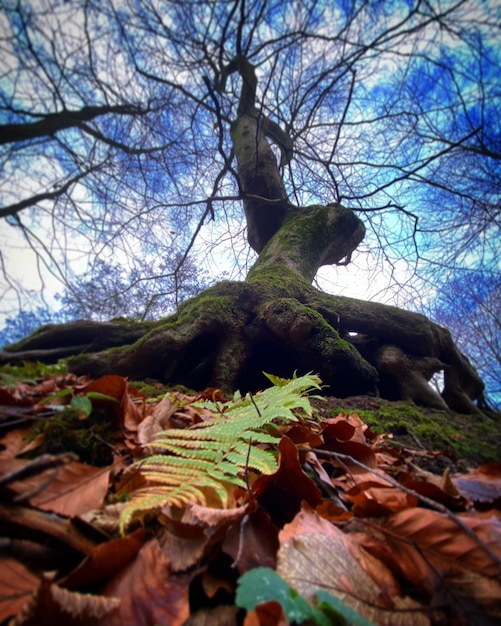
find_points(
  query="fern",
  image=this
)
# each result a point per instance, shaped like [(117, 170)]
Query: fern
[(204, 463)]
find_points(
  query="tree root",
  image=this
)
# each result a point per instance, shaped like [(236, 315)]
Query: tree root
[(228, 335)]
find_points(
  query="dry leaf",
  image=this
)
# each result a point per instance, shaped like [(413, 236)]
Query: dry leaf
[(314, 554), (51, 605), (149, 593), (17, 584)]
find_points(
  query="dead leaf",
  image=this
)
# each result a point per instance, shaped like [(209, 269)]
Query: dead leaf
[(314, 554), (481, 485), (253, 542), (371, 500), (17, 584), (49, 525), (73, 490), (49, 605), (281, 493), (149, 592), (106, 560), (266, 614), (184, 544), (157, 421), (116, 387), (196, 514), (444, 542), (345, 428)]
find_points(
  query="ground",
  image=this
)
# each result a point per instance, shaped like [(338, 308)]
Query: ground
[(467, 440)]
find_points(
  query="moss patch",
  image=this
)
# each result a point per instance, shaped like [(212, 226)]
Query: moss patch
[(90, 438), (473, 440)]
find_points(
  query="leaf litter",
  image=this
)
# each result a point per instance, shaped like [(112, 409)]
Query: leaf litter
[(345, 513)]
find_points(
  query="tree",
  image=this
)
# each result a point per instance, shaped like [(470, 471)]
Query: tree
[(146, 107), (471, 307)]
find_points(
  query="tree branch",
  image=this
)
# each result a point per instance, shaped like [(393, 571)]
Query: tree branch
[(52, 123)]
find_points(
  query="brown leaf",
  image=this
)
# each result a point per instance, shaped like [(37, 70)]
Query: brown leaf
[(188, 538), (221, 615), (345, 428), (17, 584), (149, 593), (196, 514), (281, 493), (266, 614), (14, 396), (434, 492), (482, 485), (359, 451), (314, 554), (74, 489), (157, 421), (63, 530), (317, 466), (253, 542), (51, 605), (304, 436), (106, 560), (332, 512), (443, 541), (184, 544), (214, 394), (372, 500), (437, 557), (116, 387)]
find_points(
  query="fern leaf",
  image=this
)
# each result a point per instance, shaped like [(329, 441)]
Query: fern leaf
[(206, 462)]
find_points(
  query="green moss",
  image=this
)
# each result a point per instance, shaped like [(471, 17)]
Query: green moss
[(470, 438), (157, 390), (67, 432), (275, 281), (30, 372)]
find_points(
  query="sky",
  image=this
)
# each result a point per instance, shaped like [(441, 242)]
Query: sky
[(411, 93)]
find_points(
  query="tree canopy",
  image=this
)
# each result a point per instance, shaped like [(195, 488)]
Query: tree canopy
[(116, 148)]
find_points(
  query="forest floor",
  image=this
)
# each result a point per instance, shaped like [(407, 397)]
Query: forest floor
[(363, 511)]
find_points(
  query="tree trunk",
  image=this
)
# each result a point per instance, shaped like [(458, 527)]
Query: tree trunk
[(275, 320)]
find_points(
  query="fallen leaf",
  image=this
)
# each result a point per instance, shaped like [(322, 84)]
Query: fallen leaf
[(253, 542), (482, 484), (345, 428), (106, 560), (266, 614), (116, 387), (74, 489), (149, 592), (281, 493), (444, 541), (156, 422), (372, 500), (314, 554), (49, 605), (17, 584)]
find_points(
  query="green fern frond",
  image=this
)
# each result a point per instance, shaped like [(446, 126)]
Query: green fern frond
[(205, 463)]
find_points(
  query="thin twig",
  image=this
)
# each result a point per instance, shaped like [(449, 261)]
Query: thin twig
[(327, 454)]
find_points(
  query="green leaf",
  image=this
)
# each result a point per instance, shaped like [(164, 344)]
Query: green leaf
[(59, 394), (263, 584), (332, 606), (82, 404), (95, 395)]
